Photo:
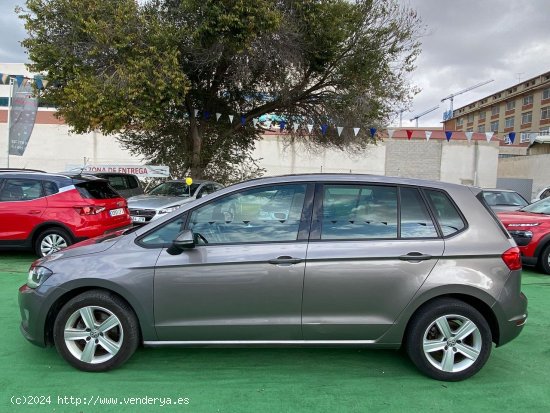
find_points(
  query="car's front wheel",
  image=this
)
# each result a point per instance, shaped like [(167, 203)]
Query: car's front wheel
[(544, 260), (96, 331), (448, 340)]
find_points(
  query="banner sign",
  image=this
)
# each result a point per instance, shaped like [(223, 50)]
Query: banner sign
[(22, 116), (141, 171)]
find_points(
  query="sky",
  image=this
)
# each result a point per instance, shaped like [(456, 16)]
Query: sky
[(466, 42)]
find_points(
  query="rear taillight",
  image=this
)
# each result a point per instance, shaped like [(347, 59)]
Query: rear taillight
[(89, 210), (512, 258)]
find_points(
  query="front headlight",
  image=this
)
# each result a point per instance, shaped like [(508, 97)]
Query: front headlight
[(169, 209), (37, 275)]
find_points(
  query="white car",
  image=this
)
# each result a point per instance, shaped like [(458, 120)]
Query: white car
[(167, 197), (544, 193)]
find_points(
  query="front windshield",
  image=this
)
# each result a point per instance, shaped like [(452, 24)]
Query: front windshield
[(494, 198), (540, 207), (174, 188)]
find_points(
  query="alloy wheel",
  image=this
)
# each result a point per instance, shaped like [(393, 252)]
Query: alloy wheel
[(52, 243)]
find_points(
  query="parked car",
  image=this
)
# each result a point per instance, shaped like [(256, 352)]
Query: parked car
[(167, 197), (544, 193), (337, 260), (127, 185), (46, 212), (530, 228), (504, 200)]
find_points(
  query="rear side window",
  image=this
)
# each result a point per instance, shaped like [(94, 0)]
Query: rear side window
[(481, 198), (447, 215), (96, 190), (118, 182), (50, 188)]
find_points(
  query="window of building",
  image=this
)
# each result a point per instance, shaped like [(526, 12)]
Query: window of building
[(527, 100), (482, 115), (494, 126), (470, 118), (509, 122), (459, 121), (545, 113), (546, 93), (545, 131), (495, 110), (510, 105), (481, 128), (526, 117), (470, 130)]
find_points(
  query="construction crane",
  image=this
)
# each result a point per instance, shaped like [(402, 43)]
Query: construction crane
[(452, 95), (415, 117)]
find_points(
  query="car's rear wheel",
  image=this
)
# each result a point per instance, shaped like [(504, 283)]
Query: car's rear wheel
[(544, 260), (51, 240), (448, 340), (96, 331)]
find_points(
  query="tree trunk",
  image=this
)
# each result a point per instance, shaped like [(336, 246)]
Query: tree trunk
[(196, 148)]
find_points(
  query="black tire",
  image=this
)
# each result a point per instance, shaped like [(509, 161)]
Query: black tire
[(56, 237), (543, 265), (102, 305), (433, 362)]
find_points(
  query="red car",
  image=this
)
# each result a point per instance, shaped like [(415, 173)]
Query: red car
[(46, 212), (530, 228)]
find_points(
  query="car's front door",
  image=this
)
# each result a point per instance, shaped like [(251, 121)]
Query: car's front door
[(371, 248), (243, 280)]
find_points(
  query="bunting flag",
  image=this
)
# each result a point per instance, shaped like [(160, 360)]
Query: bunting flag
[(448, 135), (489, 135), (38, 82), (372, 132), (196, 111), (428, 134), (44, 83), (243, 120), (409, 134), (355, 131), (254, 121), (512, 136), (206, 115), (19, 79), (339, 129), (231, 118), (218, 116), (5, 78), (391, 132), (295, 126), (282, 125), (309, 128), (469, 135), (324, 128)]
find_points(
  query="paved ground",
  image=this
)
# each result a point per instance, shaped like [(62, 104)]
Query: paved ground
[(516, 378)]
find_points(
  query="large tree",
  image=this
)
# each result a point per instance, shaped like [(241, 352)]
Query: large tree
[(142, 69)]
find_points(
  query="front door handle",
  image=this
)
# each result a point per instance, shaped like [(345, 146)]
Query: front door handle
[(415, 256), (285, 259)]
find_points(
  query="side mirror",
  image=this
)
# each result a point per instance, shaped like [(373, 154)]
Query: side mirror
[(184, 240)]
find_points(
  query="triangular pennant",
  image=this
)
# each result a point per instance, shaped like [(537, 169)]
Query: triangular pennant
[(231, 118), (409, 134), (19, 79), (356, 131), (310, 128), (38, 82), (390, 133), (243, 120), (282, 125), (295, 126), (372, 132), (254, 121), (339, 129), (25, 81), (448, 134), (469, 135), (489, 135), (512, 136), (45, 83), (218, 116), (196, 111), (428, 134), (324, 128), (206, 115)]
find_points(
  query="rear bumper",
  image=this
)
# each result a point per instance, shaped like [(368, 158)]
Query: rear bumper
[(510, 310)]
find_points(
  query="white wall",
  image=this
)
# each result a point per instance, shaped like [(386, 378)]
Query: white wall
[(535, 167), (460, 164)]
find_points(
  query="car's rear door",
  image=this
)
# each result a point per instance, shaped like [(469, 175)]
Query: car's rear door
[(245, 283), (371, 248)]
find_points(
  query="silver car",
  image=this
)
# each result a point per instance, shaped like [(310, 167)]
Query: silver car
[(312, 260), (167, 197)]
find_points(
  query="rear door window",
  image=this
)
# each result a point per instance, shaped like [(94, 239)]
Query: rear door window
[(447, 215), (415, 218), (96, 190)]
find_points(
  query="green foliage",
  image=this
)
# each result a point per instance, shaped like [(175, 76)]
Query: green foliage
[(141, 69)]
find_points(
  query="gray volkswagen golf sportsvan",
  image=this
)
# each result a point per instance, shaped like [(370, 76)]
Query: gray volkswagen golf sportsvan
[(312, 260)]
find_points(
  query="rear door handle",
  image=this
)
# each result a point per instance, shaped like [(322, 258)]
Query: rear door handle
[(415, 256), (285, 259), (35, 211)]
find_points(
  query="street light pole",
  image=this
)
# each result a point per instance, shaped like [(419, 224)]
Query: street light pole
[(9, 120)]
